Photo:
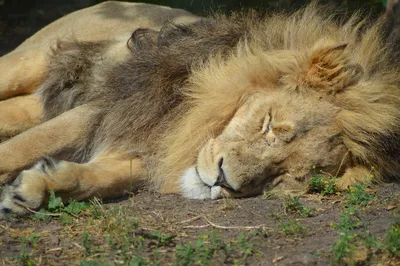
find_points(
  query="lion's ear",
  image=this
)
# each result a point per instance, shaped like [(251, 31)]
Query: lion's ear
[(330, 69)]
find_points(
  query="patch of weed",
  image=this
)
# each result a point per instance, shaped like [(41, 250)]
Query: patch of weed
[(30, 240), (162, 239), (357, 196), (349, 220), (293, 205), (247, 248), (138, 261), (96, 208), (350, 245), (209, 245), (199, 253), (86, 242), (24, 258), (322, 184), (344, 247), (292, 227), (91, 263), (392, 239), (56, 206), (371, 242)]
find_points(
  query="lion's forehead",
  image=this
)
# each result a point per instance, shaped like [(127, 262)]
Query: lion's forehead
[(301, 111)]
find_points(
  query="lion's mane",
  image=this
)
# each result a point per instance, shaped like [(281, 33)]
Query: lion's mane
[(182, 84)]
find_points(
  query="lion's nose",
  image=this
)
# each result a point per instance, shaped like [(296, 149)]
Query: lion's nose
[(221, 180)]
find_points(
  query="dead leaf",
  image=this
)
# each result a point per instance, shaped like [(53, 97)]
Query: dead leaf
[(277, 259), (390, 207)]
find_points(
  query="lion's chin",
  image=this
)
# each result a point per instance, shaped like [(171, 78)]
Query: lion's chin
[(193, 187)]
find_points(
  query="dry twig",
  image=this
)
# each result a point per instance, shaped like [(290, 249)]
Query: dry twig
[(261, 226), (42, 213)]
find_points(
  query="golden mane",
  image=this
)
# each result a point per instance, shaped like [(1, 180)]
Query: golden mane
[(279, 49)]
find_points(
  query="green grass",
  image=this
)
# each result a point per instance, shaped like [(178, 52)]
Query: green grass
[(208, 246), (322, 184), (86, 242), (160, 238), (357, 196), (349, 219), (57, 209), (30, 240), (294, 206), (25, 256), (345, 247), (353, 231), (392, 239), (292, 227)]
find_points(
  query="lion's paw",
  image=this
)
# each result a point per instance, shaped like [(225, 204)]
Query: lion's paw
[(194, 188), (28, 191)]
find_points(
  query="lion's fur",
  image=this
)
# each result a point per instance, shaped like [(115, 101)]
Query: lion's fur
[(370, 115), (26, 67), (176, 88)]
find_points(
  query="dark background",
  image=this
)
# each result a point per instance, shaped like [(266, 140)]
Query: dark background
[(19, 19)]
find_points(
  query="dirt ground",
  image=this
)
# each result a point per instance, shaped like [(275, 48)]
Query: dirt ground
[(153, 229)]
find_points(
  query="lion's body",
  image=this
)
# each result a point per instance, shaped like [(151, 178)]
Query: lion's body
[(210, 108), (25, 68)]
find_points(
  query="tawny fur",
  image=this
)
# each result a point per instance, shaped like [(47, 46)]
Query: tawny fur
[(182, 85), (370, 108)]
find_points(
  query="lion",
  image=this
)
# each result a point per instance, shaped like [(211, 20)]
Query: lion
[(224, 106)]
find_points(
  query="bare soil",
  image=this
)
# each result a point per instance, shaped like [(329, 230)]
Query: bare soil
[(122, 230)]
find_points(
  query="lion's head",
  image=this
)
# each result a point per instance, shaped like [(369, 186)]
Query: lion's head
[(272, 135), (318, 97)]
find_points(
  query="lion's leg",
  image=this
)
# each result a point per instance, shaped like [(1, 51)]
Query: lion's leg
[(107, 176), (66, 131), (21, 72), (19, 114), (353, 176)]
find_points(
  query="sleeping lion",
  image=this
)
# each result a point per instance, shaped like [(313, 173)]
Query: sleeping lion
[(122, 95)]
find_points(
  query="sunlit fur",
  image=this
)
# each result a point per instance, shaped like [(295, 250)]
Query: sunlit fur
[(166, 103), (279, 53)]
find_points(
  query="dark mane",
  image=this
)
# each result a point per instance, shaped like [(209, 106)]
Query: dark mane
[(138, 93)]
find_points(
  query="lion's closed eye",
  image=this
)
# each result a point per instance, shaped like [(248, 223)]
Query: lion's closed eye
[(266, 124)]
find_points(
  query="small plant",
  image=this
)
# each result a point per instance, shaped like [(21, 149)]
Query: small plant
[(322, 184), (91, 263), (187, 254), (87, 243), (371, 242), (96, 208), (357, 196), (209, 245), (345, 247), (138, 261), (199, 253), (392, 239), (292, 227), (349, 220), (246, 247), (31, 240), (162, 239), (25, 258), (293, 205), (56, 208)]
